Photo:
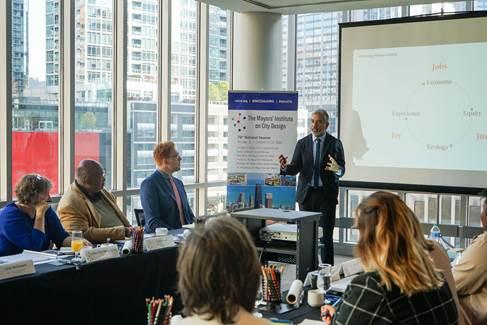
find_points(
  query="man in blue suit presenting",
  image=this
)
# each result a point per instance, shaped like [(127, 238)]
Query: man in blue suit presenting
[(320, 161), (163, 196)]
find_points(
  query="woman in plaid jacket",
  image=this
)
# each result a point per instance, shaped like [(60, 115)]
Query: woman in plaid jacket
[(401, 285)]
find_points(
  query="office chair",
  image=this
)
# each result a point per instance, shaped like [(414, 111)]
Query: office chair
[(139, 215)]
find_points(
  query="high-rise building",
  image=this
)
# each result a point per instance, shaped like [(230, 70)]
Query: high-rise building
[(258, 196), (317, 66), (218, 46), (20, 46), (52, 49), (94, 30), (241, 200), (268, 200)]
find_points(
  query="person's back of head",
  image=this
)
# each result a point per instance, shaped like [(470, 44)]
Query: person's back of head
[(391, 242), (218, 270)]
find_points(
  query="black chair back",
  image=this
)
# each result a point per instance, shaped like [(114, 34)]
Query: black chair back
[(139, 215)]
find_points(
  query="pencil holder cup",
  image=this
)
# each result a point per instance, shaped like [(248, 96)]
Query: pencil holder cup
[(137, 240), (167, 319), (271, 289)]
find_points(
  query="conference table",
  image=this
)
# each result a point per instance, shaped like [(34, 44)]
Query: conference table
[(111, 291), (297, 315)]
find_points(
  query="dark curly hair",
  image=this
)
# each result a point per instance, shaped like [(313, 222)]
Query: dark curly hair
[(218, 270), (30, 186)]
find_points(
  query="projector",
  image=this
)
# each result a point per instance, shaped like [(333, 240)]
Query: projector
[(279, 231)]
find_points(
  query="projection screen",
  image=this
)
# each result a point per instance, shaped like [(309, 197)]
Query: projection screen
[(413, 103)]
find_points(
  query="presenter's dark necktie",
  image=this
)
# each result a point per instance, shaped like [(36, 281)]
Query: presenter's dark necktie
[(316, 169), (178, 201)]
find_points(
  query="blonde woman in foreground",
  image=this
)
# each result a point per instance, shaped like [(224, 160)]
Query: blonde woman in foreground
[(401, 285), (219, 274)]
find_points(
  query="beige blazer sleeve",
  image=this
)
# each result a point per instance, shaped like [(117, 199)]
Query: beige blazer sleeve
[(470, 275), (471, 270)]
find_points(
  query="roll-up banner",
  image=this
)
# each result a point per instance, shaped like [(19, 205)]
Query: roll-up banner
[(261, 126)]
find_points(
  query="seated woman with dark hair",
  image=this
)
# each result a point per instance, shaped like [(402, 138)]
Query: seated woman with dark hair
[(30, 223), (401, 284), (219, 274)]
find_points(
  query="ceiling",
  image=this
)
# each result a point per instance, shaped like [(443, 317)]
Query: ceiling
[(307, 6)]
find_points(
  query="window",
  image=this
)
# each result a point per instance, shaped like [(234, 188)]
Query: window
[(217, 89), (93, 90), (480, 4), (285, 51), (437, 8), (142, 89), (35, 90), (217, 200), (449, 209), (183, 83), (474, 210), (133, 203), (375, 14), (424, 206), (316, 66)]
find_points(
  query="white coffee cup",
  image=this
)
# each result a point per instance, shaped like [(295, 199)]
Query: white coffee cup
[(316, 297)]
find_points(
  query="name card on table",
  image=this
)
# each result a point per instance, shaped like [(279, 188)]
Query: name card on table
[(100, 253), (13, 269), (158, 242)]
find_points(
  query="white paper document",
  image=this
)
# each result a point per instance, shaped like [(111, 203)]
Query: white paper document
[(36, 257)]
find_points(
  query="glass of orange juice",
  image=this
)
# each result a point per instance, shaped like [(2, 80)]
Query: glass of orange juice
[(76, 244)]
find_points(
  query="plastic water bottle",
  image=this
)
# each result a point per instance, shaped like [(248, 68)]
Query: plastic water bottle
[(435, 234)]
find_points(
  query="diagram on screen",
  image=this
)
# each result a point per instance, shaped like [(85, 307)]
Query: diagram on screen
[(421, 107)]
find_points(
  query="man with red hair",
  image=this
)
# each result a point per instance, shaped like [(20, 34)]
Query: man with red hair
[(163, 197)]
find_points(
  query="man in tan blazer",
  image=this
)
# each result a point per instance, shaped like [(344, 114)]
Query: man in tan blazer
[(87, 206), (470, 274)]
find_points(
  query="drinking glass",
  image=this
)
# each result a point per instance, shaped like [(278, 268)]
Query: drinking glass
[(76, 244), (324, 277)]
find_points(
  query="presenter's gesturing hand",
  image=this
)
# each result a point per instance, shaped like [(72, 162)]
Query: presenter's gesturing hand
[(282, 161), (332, 165)]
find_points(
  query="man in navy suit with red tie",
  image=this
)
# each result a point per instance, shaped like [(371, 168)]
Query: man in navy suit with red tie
[(320, 161), (163, 196)]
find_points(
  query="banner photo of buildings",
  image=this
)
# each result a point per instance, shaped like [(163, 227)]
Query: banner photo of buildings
[(262, 125)]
